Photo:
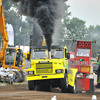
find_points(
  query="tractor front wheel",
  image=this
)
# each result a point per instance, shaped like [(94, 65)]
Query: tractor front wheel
[(31, 85), (64, 83)]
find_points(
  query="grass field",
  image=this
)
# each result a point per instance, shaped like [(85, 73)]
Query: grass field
[(14, 83)]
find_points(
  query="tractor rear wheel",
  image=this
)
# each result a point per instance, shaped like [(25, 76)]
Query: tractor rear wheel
[(72, 89), (92, 86)]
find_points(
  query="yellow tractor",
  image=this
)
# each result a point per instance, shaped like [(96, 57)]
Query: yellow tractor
[(51, 72)]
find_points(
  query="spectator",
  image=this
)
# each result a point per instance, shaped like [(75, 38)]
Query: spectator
[(2, 70), (9, 69)]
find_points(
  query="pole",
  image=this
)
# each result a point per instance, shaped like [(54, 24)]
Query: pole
[(24, 44)]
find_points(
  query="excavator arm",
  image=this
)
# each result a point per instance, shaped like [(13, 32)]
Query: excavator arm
[(3, 32)]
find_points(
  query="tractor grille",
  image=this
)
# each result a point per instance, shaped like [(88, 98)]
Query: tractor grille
[(44, 68)]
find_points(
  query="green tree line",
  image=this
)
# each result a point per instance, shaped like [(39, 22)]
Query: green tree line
[(77, 29)]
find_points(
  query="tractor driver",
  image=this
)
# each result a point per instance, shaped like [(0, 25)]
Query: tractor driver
[(84, 53)]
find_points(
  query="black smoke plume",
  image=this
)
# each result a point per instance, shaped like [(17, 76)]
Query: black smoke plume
[(46, 11)]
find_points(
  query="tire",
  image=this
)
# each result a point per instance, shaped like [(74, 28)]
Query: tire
[(98, 85), (98, 75), (17, 76), (31, 85), (22, 76), (92, 86), (64, 84), (9, 80), (72, 89)]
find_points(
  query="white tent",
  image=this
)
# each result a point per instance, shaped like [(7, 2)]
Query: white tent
[(10, 34)]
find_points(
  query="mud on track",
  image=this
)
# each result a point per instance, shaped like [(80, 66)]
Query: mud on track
[(21, 92)]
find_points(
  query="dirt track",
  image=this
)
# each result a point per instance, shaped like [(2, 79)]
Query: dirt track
[(21, 92)]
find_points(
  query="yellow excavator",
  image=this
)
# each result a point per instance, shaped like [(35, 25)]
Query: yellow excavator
[(10, 55)]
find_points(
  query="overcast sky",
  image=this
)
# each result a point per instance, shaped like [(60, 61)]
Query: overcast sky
[(87, 10)]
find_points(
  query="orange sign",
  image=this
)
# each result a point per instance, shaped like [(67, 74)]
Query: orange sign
[(85, 69)]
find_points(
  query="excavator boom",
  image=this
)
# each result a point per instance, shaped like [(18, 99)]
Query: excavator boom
[(3, 32)]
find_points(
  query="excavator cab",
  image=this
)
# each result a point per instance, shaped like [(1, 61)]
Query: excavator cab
[(9, 57), (13, 57)]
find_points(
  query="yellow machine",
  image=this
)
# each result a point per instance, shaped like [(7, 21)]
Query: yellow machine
[(10, 56), (14, 57), (52, 71), (3, 32)]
